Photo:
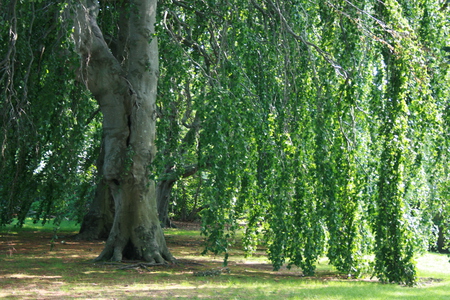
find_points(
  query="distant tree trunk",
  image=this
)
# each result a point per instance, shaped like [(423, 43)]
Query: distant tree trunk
[(97, 223), (125, 88), (164, 190), (441, 240), (441, 243)]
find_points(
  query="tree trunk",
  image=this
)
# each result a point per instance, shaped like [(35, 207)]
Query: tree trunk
[(97, 223), (163, 191), (442, 226), (125, 89)]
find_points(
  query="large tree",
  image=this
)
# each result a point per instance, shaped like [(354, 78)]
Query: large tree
[(124, 82)]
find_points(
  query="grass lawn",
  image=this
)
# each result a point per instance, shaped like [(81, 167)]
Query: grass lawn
[(36, 265)]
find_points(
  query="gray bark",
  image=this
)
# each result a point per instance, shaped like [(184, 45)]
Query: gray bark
[(97, 223), (125, 88), (164, 190)]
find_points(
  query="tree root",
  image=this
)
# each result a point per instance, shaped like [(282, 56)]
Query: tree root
[(139, 265)]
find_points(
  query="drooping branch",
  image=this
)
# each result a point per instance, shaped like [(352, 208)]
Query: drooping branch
[(327, 56)]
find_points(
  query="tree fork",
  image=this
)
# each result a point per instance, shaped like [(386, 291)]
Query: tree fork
[(126, 93)]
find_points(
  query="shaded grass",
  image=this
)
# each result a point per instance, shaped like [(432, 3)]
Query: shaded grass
[(32, 271)]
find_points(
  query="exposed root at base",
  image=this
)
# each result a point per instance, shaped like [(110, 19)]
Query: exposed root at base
[(139, 265)]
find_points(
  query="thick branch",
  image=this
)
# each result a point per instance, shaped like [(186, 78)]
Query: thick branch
[(105, 78), (172, 174), (103, 73)]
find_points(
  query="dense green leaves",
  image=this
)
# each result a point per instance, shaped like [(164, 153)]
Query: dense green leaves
[(318, 122), (48, 138)]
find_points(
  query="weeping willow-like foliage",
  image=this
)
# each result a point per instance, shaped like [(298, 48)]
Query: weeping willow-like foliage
[(48, 140), (321, 125)]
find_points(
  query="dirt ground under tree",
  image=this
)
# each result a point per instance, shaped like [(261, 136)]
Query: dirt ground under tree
[(53, 265)]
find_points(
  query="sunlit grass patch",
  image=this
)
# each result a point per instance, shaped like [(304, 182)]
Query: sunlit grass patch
[(177, 232), (433, 264)]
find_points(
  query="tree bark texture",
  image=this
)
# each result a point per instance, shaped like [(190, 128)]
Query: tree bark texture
[(124, 83), (97, 223), (163, 191)]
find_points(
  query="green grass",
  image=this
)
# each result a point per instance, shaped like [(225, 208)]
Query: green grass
[(30, 270), (49, 226), (177, 232)]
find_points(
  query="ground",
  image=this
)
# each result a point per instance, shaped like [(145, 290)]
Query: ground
[(38, 264)]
